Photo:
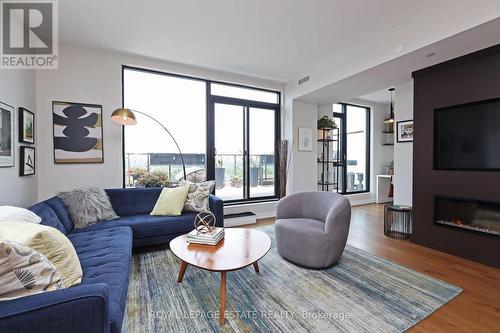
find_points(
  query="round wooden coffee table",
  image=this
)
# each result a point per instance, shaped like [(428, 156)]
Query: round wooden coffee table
[(239, 248)]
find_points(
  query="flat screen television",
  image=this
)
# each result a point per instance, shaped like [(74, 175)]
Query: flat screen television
[(467, 137)]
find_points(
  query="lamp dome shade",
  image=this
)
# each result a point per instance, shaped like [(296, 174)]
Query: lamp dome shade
[(124, 117)]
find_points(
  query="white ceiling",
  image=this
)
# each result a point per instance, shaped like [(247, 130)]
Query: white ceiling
[(381, 96), (398, 71), (274, 39)]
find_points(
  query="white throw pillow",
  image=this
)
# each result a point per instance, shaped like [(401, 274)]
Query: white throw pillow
[(18, 214)]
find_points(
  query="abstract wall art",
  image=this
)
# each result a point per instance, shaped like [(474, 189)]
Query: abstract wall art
[(78, 134), (305, 139), (6, 135), (27, 165)]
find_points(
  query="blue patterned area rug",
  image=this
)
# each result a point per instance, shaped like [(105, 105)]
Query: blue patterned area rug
[(362, 293)]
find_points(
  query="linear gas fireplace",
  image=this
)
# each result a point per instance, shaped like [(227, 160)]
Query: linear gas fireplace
[(475, 215)]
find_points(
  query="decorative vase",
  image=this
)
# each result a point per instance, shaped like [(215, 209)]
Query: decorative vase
[(220, 174), (254, 176)]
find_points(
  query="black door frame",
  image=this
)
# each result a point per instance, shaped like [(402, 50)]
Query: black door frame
[(344, 116), (247, 105), (210, 137)]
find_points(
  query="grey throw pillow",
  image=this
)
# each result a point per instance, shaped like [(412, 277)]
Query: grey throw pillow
[(197, 198), (88, 206)]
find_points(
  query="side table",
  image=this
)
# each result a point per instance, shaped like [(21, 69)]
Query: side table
[(397, 221)]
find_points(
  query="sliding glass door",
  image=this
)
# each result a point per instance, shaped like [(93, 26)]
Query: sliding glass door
[(245, 135), (349, 165), (229, 151)]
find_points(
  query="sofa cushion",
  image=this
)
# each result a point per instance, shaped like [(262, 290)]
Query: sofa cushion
[(87, 206), (171, 201), (62, 212), (145, 226), (50, 242), (105, 256), (25, 271), (49, 216), (18, 214), (133, 201)]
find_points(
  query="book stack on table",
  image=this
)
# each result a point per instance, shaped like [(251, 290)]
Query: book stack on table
[(208, 238)]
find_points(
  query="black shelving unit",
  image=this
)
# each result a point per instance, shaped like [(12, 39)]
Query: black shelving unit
[(327, 162)]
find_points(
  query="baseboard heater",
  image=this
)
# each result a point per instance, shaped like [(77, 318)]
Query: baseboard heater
[(232, 220)]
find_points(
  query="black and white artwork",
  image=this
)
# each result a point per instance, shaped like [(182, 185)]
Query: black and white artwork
[(27, 165), (77, 133), (404, 131), (6, 135)]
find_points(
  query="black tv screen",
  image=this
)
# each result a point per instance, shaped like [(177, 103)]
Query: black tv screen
[(467, 137)]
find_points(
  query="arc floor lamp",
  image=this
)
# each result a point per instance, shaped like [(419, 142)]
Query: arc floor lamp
[(126, 117)]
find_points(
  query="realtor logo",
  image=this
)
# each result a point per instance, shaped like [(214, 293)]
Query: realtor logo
[(29, 34)]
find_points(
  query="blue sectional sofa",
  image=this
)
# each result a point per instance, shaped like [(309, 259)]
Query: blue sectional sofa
[(105, 250)]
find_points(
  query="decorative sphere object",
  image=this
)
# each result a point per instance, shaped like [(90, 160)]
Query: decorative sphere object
[(204, 221)]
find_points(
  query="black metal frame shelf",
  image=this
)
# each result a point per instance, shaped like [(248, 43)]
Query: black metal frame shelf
[(326, 162)]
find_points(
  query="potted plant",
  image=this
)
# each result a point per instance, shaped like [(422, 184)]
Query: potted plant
[(220, 173), (325, 126), (254, 171), (236, 182), (157, 178), (326, 122), (136, 173), (390, 167)]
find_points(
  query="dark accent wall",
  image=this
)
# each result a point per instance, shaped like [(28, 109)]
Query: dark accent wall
[(473, 77)]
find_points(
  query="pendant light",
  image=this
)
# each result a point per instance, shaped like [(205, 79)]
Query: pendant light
[(390, 117)]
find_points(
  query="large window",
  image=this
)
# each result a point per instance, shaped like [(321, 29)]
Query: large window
[(179, 104), (350, 151), (226, 132)]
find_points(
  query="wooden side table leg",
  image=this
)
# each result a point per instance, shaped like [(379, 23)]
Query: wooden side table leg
[(256, 267), (184, 265), (222, 297)]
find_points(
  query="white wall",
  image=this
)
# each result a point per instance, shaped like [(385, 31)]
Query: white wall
[(303, 164), (403, 152), (17, 88), (94, 76)]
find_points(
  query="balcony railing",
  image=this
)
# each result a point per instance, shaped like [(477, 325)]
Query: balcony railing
[(171, 165)]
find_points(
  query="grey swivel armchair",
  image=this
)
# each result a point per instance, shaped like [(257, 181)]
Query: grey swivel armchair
[(312, 228)]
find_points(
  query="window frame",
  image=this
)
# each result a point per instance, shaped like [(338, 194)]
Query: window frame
[(210, 129), (344, 116)]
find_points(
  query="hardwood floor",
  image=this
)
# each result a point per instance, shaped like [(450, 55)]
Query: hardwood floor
[(477, 309)]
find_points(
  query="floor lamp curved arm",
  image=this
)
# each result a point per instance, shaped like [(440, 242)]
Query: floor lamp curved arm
[(126, 117)]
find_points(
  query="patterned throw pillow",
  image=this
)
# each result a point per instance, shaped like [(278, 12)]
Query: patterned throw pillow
[(51, 243), (88, 206), (24, 271), (197, 199)]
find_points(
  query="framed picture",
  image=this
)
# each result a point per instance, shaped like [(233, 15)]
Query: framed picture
[(6, 135), (26, 126), (78, 135), (27, 165), (305, 139), (404, 131)]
